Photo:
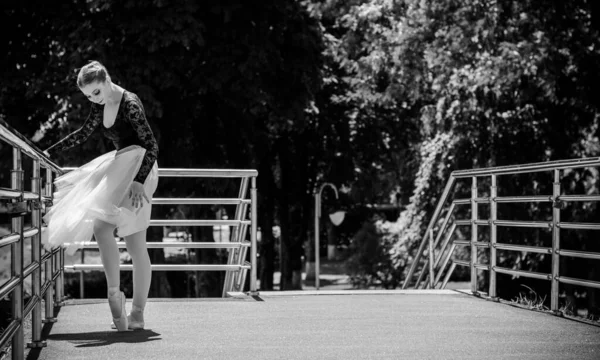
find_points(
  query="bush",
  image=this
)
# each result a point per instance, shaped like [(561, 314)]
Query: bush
[(370, 263)]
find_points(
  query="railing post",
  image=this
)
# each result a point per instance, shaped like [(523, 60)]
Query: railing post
[(431, 260), (555, 241), (81, 279), (48, 266), (36, 276), (17, 260), (474, 217), (253, 252), (317, 240), (58, 285), (493, 236), (61, 276)]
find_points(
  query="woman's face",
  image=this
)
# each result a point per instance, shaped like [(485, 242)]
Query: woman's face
[(96, 92)]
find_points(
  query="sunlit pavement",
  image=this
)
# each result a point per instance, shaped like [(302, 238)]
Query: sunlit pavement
[(442, 324)]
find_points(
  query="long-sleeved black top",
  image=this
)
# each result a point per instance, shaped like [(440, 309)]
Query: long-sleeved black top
[(130, 128)]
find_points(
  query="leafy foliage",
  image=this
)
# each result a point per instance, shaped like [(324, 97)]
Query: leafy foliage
[(381, 97)]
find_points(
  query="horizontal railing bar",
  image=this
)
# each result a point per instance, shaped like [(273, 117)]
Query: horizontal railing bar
[(198, 222), (468, 243), (178, 244), (9, 193), (10, 331), (30, 305), (533, 167), (525, 248), (161, 267), (29, 232), (462, 263), (223, 173), (482, 266), (27, 195), (568, 280), (467, 201), (9, 239), (45, 287), (579, 197), (462, 222), (46, 257), (529, 274), (8, 287), (528, 224), (190, 201), (522, 199), (581, 226), (462, 201), (482, 222), (579, 254), (211, 173), (30, 268)]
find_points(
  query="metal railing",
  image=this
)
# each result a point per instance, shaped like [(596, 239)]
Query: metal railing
[(18, 204), (46, 267), (237, 266), (438, 253)]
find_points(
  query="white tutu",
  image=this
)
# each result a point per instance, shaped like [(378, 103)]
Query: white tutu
[(97, 191)]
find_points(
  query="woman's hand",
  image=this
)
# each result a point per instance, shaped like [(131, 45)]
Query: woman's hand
[(136, 193)]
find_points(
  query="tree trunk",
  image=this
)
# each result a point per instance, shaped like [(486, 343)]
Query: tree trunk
[(267, 244), (291, 217), (267, 195)]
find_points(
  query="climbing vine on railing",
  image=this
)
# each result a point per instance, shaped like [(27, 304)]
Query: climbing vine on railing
[(433, 172)]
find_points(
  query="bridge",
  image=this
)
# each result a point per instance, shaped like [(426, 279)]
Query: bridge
[(426, 322)]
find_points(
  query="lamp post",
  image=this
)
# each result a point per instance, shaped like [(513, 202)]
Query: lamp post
[(336, 218)]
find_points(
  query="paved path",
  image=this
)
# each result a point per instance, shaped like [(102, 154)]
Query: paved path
[(334, 325)]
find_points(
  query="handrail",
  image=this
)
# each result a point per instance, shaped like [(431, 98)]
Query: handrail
[(533, 167), (555, 225), (206, 173), (17, 140), (52, 262), (18, 203), (235, 268)]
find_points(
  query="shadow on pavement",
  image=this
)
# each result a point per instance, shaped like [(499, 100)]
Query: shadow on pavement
[(34, 353), (103, 338)]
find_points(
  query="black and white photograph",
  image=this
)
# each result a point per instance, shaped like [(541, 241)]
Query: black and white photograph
[(299, 179)]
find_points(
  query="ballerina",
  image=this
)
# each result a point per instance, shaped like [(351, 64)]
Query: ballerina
[(112, 192)]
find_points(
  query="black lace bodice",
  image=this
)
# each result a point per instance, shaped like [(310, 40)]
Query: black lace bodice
[(130, 128)]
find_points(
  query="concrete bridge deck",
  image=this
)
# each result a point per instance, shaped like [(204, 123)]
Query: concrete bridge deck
[(411, 324)]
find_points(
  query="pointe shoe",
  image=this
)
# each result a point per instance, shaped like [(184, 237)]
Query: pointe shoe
[(132, 323), (117, 308)]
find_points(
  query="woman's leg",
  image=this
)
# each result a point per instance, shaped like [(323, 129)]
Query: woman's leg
[(142, 273), (109, 253)]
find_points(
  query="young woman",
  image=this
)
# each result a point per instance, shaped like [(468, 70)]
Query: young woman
[(112, 192)]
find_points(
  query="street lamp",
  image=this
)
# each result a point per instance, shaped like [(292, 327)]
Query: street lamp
[(336, 218)]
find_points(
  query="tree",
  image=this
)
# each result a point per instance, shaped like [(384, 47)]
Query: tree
[(222, 81)]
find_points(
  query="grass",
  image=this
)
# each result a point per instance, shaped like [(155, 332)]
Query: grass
[(531, 300)]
